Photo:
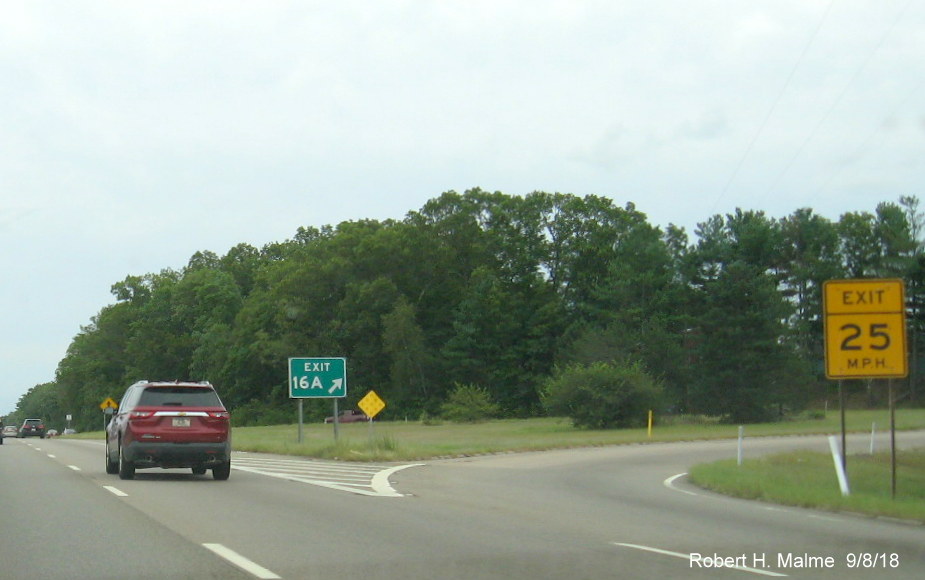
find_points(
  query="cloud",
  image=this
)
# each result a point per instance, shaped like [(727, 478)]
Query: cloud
[(10, 216), (705, 126), (136, 133)]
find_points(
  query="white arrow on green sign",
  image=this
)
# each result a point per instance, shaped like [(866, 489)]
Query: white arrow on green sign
[(322, 378)]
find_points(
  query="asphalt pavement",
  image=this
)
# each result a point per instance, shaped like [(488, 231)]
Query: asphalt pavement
[(609, 512)]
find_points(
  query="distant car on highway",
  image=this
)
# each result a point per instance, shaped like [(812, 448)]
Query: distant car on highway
[(32, 428), (349, 416), (169, 425), (69, 431), (8, 431)]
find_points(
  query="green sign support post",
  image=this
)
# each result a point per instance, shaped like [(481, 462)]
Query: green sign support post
[(317, 378)]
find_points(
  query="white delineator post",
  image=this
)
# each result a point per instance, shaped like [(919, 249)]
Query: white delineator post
[(839, 466)]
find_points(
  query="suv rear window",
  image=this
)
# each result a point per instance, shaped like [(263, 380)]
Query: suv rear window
[(179, 397)]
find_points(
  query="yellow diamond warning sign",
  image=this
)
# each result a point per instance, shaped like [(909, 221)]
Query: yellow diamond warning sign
[(371, 404)]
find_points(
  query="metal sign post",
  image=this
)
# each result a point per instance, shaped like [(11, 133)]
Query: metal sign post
[(844, 436), (336, 421), (300, 420), (892, 438)]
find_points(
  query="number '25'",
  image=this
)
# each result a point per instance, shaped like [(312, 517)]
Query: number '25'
[(880, 338)]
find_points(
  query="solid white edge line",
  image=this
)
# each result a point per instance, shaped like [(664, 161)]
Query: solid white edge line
[(688, 558), (669, 483), (115, 491), (241, 562)]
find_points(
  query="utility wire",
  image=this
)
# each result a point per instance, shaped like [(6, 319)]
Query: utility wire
[(866, 142), (770, 112), (837, 100)]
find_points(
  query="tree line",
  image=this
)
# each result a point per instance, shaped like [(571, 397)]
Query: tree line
[(499, 293)]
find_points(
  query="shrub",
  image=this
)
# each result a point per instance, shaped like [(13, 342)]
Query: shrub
[(469, 404), (602, 395)]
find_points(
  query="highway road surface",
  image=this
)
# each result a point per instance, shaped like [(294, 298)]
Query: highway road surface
[(610, 512)]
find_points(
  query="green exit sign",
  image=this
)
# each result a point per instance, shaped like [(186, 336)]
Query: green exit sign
[(321, 378)]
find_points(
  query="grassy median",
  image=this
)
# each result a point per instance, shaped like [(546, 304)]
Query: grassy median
[(414, 440), (808, 479)]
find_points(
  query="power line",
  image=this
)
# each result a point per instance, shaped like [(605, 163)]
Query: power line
[(777, 99), (866, 142), (838, 99)]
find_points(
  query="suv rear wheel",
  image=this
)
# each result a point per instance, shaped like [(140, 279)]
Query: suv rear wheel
[(112, 467), (126, 468), (221, 472)]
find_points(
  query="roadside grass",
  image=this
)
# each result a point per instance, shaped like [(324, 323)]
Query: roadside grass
[(808, 479), (415, 440)]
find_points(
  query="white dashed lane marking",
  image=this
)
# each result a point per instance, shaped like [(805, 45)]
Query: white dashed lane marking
[(240, 561)]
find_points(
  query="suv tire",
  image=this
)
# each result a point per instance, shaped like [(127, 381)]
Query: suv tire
[(112, 467), (222, 472), (126, 468)]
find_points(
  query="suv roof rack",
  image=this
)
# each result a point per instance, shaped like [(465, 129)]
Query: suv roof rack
[(174, 382)]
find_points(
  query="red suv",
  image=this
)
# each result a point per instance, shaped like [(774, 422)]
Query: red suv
[(175, 424)]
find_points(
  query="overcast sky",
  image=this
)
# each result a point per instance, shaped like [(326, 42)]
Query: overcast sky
[(133, 134)]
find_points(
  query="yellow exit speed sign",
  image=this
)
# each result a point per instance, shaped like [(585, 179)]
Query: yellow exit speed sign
[(865, 329)]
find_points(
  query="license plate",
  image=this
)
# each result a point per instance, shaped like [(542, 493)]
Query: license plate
[(181, 422)]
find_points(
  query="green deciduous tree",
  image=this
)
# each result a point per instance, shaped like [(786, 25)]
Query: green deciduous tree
[(42, 402), (412, 363), (492, 290)]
